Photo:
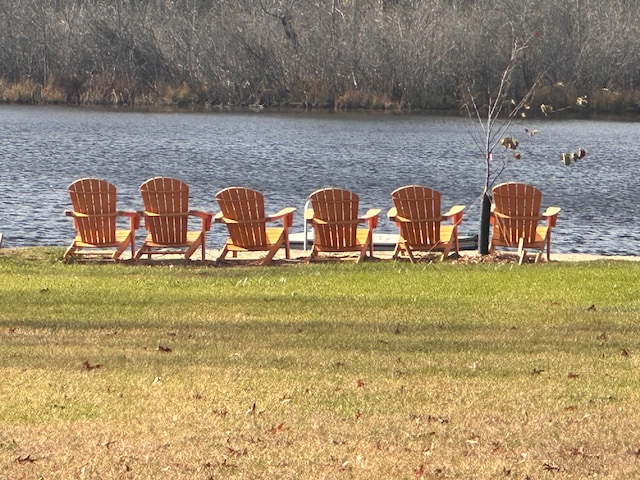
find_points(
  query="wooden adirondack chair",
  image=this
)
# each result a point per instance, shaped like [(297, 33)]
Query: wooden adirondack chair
[(416, 212), (517, 222), (166, 217), (334, 218), (242, 211), (95, 219)]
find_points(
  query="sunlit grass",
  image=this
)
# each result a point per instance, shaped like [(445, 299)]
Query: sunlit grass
[(378, 370)]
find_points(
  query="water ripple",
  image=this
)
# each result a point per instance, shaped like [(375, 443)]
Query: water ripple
[(287, 156)]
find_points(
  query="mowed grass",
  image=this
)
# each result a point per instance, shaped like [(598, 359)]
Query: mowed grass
[(374, 371)]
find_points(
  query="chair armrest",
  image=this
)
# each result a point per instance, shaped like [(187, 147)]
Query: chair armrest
[(134, 217), (455, 214), (370, 217), (392, 213), (286, 214), (129, 214), (200, 214), (220, 218), (74, 214), (206, 218), (308, 215), (551, 215)]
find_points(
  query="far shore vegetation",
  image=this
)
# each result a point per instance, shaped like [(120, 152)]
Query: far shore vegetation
[(399, 55), (379, 370)]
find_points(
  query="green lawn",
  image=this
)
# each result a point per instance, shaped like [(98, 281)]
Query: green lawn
[(379, 370)]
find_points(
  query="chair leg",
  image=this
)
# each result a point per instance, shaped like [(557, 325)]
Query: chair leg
[(223, 253), (287, 249), (455, 243), (396, 251), (522, 256), (120, 250), (133, 245), (549, 247), (410, 254), (445, 251), (69, 252), (522, 253), (271, 254)]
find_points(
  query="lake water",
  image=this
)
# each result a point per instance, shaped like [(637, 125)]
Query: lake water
[(289, 155)]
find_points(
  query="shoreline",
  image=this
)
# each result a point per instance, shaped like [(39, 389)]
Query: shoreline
[(300, 255)]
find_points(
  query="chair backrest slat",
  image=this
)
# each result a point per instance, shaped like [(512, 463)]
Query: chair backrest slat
[(246, 207), (95, 201), (421, 206), (337, 210), (516, 212), (168, 199)]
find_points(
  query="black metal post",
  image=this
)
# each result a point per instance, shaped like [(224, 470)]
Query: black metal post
[(485, 225)]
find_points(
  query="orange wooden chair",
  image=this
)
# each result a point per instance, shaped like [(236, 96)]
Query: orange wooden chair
[(334, 218), (416, 212), (517, 222), (95, 219), (166, 218), (242, 211)]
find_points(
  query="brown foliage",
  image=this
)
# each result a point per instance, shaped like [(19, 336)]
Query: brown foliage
[(342, 54)]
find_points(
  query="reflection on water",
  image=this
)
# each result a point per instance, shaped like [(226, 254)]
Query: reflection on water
[(287, 156)]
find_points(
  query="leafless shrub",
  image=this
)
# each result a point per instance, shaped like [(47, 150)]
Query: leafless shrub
[(366, 53)]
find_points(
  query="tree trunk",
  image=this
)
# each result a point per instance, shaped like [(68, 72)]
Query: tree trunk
[(485, 224)]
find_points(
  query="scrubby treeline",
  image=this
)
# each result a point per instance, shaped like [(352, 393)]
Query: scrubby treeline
[(413, 54)]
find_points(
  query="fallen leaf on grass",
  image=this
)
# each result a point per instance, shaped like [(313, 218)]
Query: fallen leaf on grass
[(550, 468), (573, 375), (360, 384), (252, 409), (624, 353), (237, 453), (228, 465), (163, 349), (27, 459), (431, 419), (579, 452), (592, 308), (89, 367), (277, 428)]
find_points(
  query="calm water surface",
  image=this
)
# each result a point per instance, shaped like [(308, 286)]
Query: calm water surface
[(287, 156)]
